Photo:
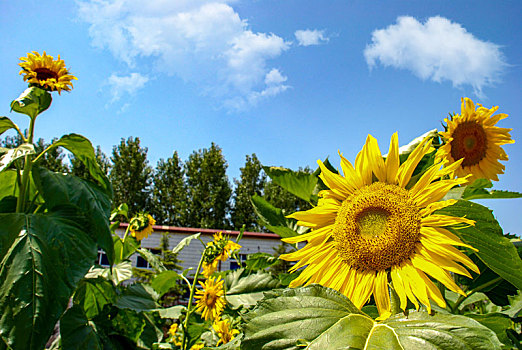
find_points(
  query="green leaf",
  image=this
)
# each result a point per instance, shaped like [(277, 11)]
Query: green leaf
[(123, 250), (248, 290), (325, 319), (58, 189), (116, 273), (12, 154), (77, 332), (6, 124), (173, 312), (164, 281), (39, 271), (260, 261), (273, 218), (185, 242), (299, 183), (123, 209), (32, 102), (93, 294), (478, 190), (138, 297), (515, 309), (82, 149), (495, 250), (497, 322), (152, 259)]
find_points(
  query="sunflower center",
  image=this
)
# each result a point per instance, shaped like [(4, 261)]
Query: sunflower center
[(469, 142), (45, 73), (377, 227), (211, 299)]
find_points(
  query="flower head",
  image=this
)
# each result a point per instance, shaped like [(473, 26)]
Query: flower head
[(141, 226), (211, 302), (473, 137), (46, 72), (369, 225), (217, 250), (175, 337), (224, 331)]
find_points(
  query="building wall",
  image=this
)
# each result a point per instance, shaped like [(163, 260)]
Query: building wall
[(251, 242)]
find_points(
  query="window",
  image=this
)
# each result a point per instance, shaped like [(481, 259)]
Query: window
[(142, 263), (233, 263), (102, 258)]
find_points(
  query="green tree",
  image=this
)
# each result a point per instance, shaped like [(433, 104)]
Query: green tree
[(208, 188), (169, 193), (79, 169), (131, 175), (252, 181)]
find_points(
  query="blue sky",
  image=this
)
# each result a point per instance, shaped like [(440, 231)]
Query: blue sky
[(291, 81)]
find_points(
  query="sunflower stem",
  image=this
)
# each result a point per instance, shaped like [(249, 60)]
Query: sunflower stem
[(461, 298), (28, 164), (191, 298)]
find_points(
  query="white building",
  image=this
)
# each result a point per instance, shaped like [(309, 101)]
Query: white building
[(251, 242)]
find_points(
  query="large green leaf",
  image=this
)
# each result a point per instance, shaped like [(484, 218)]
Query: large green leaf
[(13, 154), (164, 281), (138, 297), (6, 124), (479, 190), (82, 149), (77, 332), (39, 271), (247, 290), (260, 261), (59, 189), (124, 249), (495, 250), (32, 102), (497, 322), (185, 242), (118, 273), (152, 259), (93, 294), (321, 318), (273, 218), (299, 183)]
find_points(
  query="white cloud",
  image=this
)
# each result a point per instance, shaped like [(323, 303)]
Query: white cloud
[(203, 42), (310, 37), (438, 50), (121, 85)]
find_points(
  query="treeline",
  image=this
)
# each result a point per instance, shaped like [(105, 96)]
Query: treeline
[(191, 193)]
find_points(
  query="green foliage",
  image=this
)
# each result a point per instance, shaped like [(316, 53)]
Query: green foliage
[(32, 102), (274, 218), (321, 318), (301, 183), (244, 289), (251, 182), (79, 169), (169, 193), (131, 175), (208, 188), (486, 236)]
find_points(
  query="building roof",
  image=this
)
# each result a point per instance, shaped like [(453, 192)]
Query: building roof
[(209, 231)]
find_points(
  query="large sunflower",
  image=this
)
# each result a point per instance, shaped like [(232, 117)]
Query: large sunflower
[(211, 302), (369, 227), (46, 72), (141, 226), (473, 137)]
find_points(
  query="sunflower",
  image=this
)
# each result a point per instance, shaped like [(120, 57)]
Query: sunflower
[(46, 72), (368, 227), (474, 138), (211, 302), (141, 226), (222, 328), (174, 336), (197, 346), (217, 250)]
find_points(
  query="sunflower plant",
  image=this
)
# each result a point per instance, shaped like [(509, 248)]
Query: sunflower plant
[(51, 224), (393, 254)]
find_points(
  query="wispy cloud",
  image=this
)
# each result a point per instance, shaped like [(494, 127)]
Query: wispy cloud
[(121, 85), (310, 37), (203, 42), (438, 50)]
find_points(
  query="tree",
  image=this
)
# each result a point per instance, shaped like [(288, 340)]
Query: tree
[(169, 194), (79, 169), (252, 181), (131, 175), (208, 188)]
